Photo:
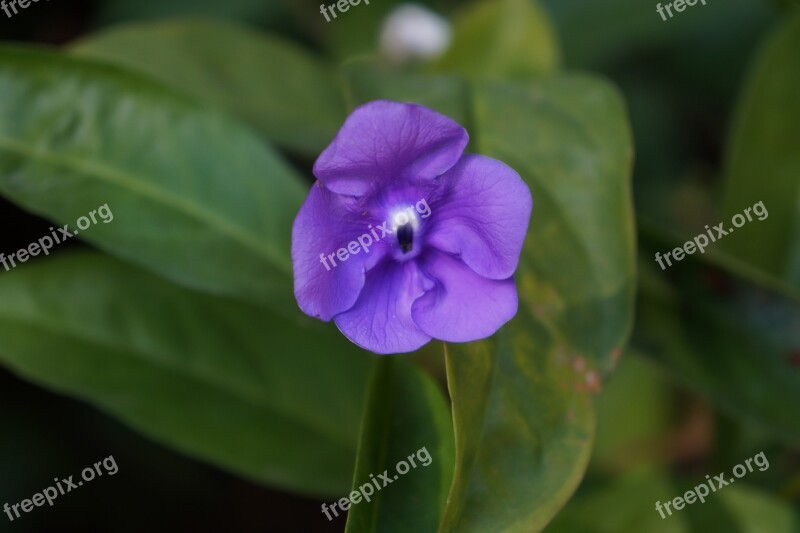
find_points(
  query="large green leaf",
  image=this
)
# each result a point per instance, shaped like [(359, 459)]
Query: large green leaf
[(752, 510), (726, 333), (623, 505), (505, 39), (366, 80), (524, 428), (627, 505), (405, 413), (276, 400), (764, 159), (522, 407), (569, 139), (290, 96), (195, 197)]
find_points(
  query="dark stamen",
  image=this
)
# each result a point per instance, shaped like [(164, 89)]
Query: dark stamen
[(405, 236)]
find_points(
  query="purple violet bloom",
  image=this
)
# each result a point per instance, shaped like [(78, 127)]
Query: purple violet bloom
[(404, 238)]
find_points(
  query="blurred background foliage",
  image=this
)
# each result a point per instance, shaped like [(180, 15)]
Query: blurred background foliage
[(712, 376)]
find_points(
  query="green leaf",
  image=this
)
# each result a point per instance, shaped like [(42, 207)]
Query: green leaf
[(502, 39), (273, 399), (195, 197), (622, 505), (723, 333), (357, 33), (406, 419), (521, 401), (524, 427), (366, 80), (569, 139), (763, 160), (627, 505), (755, 511), (289, 95)]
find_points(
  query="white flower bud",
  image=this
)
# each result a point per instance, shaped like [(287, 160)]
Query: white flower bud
[(411, 31)]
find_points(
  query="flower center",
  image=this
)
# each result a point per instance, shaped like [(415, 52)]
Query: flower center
[(405, 237), (406, 221)]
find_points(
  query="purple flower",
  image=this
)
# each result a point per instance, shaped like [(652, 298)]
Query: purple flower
[(404, 238)]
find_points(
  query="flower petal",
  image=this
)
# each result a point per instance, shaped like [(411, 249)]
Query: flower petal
[(381, 319), (462, 306), (325, 224), (482, 216), (382, 142)]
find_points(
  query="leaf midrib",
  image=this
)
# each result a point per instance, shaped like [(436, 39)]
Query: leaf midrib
[(138, 187)]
